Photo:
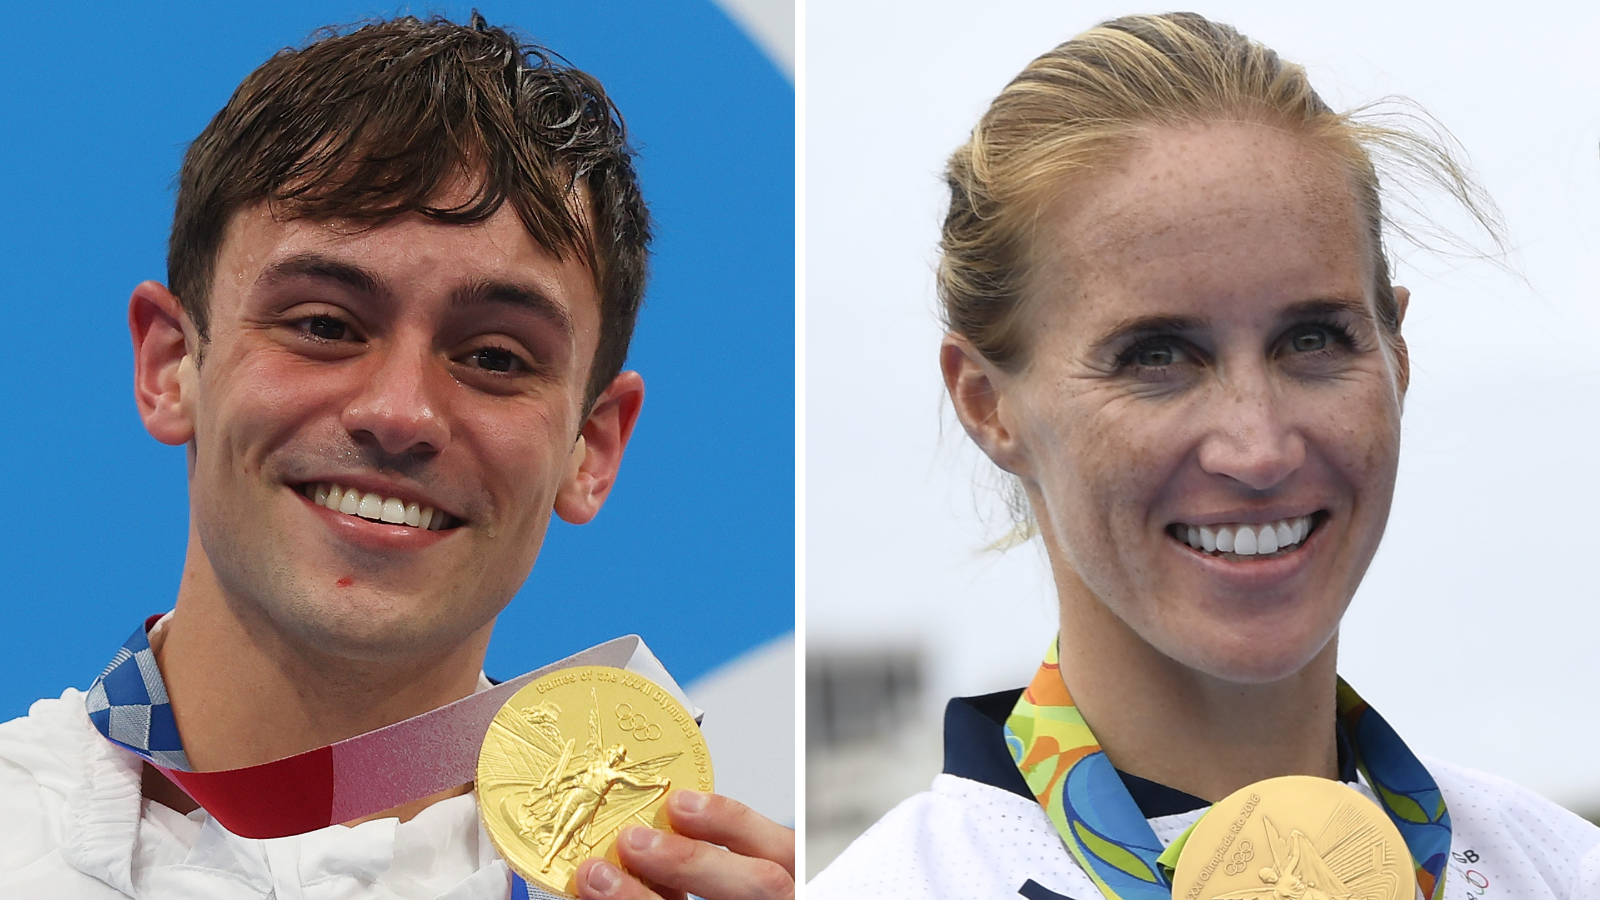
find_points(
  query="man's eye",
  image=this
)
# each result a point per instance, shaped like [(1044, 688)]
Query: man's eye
[(494, 359), (327, 328)]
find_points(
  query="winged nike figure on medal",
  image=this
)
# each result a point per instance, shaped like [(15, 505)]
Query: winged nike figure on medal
[(567, 802), (1349, 860)]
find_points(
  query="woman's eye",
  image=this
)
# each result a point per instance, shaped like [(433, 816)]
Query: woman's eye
[(327, 328), (494, 359), (1309, 341), (1154, 356)]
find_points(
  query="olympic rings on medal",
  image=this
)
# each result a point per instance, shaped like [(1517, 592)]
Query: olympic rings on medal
[(635, 723), (1240, 858)]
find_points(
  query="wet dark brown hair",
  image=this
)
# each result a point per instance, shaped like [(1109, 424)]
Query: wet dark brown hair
[(372, 123)]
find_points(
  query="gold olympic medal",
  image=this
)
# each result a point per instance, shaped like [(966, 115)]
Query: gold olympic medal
[(573, 757), (1295, 837)]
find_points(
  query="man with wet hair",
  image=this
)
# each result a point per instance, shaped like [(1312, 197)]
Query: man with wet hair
[(404, 269)]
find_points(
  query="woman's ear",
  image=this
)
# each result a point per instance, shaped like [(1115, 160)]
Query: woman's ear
[(974, 386), (1402, 354), (165, 379)]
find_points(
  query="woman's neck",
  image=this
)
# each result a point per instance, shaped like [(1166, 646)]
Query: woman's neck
[(1161, 720)]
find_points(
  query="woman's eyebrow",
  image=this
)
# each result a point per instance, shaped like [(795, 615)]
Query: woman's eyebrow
[(1142, 326), (1326, 306)]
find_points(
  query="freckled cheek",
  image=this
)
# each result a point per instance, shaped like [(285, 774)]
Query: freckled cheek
[(1361, 439), (1102, 472)]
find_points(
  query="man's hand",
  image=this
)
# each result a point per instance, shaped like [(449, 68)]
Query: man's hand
[(758, 863)]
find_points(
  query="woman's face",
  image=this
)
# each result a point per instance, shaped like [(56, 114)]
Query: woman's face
[(1205, 370)]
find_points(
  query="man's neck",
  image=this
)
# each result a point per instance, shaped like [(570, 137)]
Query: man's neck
[(1164, 722), (244, 693), (155, 786)]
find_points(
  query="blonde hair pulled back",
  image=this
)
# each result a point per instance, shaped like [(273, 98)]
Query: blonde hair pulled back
[(1090, 101)]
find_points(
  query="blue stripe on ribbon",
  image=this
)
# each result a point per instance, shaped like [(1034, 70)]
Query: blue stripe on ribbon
[(128, 704)]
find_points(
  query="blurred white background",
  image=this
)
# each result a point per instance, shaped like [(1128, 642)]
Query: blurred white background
[(1475, 629)]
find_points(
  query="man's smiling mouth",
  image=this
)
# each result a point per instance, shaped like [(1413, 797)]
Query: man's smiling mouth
[(376, 507), (1242, 541)]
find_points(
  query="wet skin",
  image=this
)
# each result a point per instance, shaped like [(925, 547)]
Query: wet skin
[(439, 364), (434, 363)]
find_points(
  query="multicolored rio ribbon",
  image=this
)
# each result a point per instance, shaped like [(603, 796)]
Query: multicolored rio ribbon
[(1106, 833), (341, 782)]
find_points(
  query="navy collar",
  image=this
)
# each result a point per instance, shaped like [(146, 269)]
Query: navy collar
[(975, 748)]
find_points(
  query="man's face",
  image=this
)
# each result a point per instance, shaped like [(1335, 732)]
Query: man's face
[(412, 363)]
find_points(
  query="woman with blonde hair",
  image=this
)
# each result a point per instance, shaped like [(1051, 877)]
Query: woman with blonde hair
[(1170, 317)]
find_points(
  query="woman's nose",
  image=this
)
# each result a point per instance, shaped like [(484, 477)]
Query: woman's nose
[(1253, 437)]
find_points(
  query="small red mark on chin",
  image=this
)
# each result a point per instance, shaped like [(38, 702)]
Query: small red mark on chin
[(344, 582)]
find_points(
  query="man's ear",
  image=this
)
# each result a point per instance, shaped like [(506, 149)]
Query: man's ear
[(971, 381), (165, 380), (592, 465)]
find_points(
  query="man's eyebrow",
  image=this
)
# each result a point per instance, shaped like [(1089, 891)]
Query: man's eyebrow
[(518, 295), (321, 268)]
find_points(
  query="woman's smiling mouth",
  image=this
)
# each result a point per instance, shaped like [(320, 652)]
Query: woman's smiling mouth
[(1246, 541), (376, 507)]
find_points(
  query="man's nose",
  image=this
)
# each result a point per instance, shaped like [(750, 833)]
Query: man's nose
[(399, 411), (1253, 437)]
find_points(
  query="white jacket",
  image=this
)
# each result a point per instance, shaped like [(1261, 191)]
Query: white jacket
[(74, 825), (974, 836), (969, 840)]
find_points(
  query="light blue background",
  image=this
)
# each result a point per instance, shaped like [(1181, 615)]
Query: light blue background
[(694, 550)]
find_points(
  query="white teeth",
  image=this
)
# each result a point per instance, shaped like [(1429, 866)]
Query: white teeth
[(1225, 539), (1244, 543), (1266, 540), (394, 511), (1245, 540), (376, 507)]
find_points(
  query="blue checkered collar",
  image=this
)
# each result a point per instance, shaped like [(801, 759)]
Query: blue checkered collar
[(128, 703)]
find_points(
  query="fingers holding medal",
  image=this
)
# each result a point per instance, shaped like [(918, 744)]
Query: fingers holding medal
[(574, 757)]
